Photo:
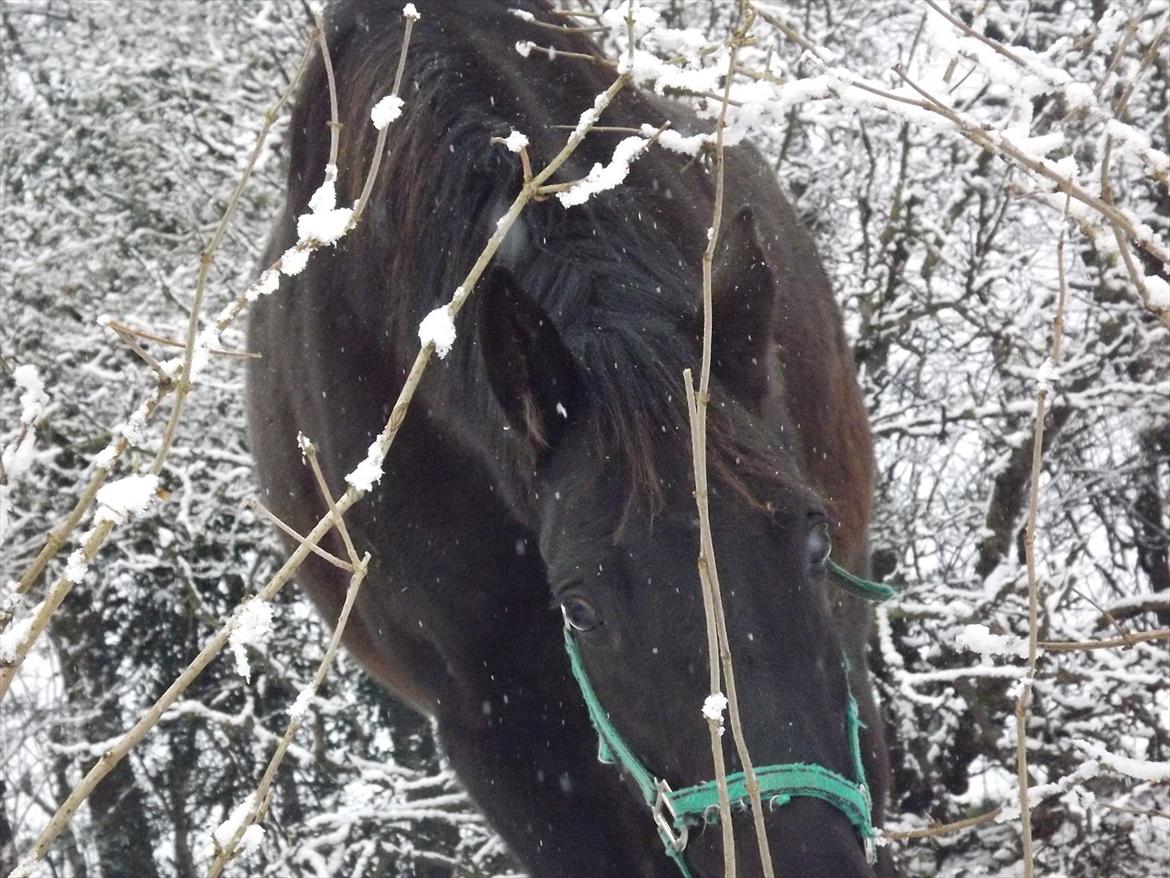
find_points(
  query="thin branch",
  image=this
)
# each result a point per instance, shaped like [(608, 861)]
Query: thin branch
[(1024, 691), (718, 643), (260, 799), (334, 121), (552, 188), (714, 724), (942, 828), (126, 329), (567, 28), (277, 522), (1141, 812), (1112, 643)]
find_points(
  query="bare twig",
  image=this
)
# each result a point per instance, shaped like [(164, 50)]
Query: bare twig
[(552, 188), (283, 527), (334, 120), (942, 828), (1141, 812), (125, 329), (359, 566), (1113, 643), (1024, 690), (697, 402)]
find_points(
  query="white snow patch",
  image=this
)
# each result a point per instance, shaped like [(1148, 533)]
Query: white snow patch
[(265, 285), (367, 473), (18, 456), (408, 11), (294, 260), (522, 14), (713, 707), (1079, 96), (126, 498), (438, 329), (222, 834), (684, 144), (252, 628), (1155, 772), (76, 567), (1040, 792), (978, 638), (325, 223), (516, 141), (1158, 292), (1047, 375), (524, 48), (33, 398), (301, 703), (16, 632), (603, 177), (386, 111)]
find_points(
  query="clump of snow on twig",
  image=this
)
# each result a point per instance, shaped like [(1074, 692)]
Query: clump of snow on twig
[(367, 473), (301, 703), (222, 835), (684, 144), (16, 632), (603, 177), (1047, 375), (386, 111), (325, 223), (294, 260), (1158, 291), (16, 459), (438, 329), (126, 498), (978, 638), (516, 141), (408, 11), (589, 117), (1142, 769), (33, 398), (1040, 792), (252, 628), (713, 707), (265, 285)]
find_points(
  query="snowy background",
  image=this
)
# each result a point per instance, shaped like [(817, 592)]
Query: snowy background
[(125, 129)]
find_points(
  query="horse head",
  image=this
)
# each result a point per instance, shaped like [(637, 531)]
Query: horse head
[(613, 500)]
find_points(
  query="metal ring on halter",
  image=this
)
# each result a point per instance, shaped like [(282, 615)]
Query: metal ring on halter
[(676, 839)]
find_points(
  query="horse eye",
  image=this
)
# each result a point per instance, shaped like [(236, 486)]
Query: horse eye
[(579, 615), (819, 545)]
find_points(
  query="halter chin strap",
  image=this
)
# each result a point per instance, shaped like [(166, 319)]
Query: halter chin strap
[(779, 784)]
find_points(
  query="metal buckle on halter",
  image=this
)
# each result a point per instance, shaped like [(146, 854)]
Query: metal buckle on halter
[(676, 841)]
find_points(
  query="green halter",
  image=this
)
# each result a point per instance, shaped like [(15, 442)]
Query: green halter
[(779, 784)]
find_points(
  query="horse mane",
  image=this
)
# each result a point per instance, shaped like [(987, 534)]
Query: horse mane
[(617, 275)]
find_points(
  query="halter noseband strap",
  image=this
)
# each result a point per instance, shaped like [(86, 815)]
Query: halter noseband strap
[(779, 784)]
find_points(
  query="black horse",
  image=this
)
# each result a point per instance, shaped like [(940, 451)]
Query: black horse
[(545, 463)]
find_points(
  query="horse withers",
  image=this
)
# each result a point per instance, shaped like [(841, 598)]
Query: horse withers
[(542, 482)]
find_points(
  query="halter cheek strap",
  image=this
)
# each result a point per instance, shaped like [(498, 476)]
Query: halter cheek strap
[(672, 810)]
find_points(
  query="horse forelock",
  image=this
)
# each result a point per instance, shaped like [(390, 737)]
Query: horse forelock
[(621, 288)]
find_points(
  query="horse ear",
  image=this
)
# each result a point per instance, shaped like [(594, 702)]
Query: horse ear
[(531, 372), (743, 291)]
